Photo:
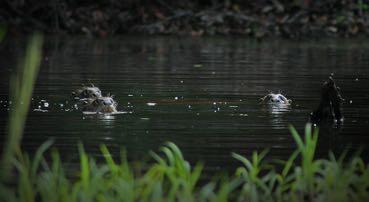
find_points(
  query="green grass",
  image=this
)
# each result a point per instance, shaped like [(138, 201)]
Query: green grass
[(172, 178), (21, 88), (302, 177)]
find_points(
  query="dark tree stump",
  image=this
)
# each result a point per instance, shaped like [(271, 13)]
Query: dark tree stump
[(330, 104)]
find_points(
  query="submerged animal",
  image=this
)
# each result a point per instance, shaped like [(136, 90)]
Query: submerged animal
[(86, 92), (330, 104), (100, 105), (278, 98)]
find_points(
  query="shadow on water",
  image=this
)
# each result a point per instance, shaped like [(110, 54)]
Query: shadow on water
[(200, 93)]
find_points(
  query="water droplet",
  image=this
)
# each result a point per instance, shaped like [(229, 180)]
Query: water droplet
[(46, 104), (176, 98), (151, 104), (197, 114), (181, 81), (130, 95), (214, 103), (350, 101), (61, 105), (189, 107), (357, 79)]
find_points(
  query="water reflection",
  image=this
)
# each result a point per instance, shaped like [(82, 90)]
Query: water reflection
[(277, 113)]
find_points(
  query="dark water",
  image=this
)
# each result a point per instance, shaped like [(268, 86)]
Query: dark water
[(200, 93)]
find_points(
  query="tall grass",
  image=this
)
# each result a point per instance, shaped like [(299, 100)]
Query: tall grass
[(170, 178), (21, 88)]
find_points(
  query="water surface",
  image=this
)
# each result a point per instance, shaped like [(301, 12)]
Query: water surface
[(200, 93)]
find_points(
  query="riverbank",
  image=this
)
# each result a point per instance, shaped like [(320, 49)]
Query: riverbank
[(261, 19)]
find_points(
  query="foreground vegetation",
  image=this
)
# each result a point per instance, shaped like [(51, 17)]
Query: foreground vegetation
[(171, 178)]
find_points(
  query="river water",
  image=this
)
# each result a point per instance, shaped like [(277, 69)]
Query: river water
[(200, 93)]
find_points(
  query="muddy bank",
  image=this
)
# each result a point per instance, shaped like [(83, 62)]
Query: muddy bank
[(265, 18)]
